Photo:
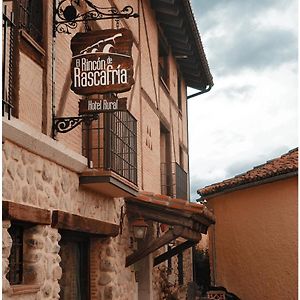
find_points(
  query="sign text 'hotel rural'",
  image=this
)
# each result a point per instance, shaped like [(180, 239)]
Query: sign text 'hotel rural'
[(102, 61)]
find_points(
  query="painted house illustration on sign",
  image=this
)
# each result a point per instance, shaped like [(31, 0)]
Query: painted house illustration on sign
[(69, 226)]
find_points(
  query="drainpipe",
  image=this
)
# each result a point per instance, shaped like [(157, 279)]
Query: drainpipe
[(207, 89)]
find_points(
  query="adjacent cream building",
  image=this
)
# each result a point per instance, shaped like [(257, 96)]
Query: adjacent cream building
[(253, 245)]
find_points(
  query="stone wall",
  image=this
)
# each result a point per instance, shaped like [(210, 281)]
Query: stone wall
[(32, 180), (41, 263)]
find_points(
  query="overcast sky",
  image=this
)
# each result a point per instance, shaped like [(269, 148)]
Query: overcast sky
[(250, 114)]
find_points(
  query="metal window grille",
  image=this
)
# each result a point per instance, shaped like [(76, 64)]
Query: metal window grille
[(16, 255), (174, 181), (31, 18), (181, 182), (7, 61), (112, 144)]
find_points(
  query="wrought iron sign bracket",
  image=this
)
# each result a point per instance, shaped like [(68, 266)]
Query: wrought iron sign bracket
[(66, 124), (66, 15)]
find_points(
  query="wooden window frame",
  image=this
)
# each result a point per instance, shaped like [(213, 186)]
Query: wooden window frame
[(16, 265), (32, 47), (84, 241), (163, 59), (179, 92)]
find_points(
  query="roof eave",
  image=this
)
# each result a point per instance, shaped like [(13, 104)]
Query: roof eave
[(235, 188), (177, 20)]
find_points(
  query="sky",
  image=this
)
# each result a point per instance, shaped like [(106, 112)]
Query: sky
[(250, 114)]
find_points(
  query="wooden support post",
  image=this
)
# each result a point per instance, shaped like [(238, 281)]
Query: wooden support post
[(169, 236), (183, 246)]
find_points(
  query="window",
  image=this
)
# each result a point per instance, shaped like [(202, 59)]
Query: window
[(74, 253), (111, 144), (179, 93), (163, 61), (15, 275), (31, 18)]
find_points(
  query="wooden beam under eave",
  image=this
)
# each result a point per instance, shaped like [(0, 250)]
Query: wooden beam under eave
[(25, 213), (169, 236), (68, 221), (187, 233), (183, 246), (159, 215)]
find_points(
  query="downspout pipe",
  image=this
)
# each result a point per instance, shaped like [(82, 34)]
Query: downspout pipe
[(207, 89)]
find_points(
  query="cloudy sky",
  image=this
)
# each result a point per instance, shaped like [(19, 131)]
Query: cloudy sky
[(250, 115)]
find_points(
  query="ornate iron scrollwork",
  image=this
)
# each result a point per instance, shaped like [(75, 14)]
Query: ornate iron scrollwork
[(66, 15), (66, 124)]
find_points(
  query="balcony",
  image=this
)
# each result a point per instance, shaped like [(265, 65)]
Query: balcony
[(174, 181), (111, 145), (7, 62)]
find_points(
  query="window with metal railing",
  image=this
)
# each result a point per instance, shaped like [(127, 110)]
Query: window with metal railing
[(111, 144), (15, 275), (7, 61), (31, 18), (174, 181)]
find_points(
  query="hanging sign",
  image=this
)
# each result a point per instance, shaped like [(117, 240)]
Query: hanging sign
[(87, 106), (102, 61)]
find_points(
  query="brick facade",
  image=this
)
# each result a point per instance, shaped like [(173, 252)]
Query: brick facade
[(33, 177)]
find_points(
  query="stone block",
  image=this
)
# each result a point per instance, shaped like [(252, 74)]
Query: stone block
[(39, 183), (42, 200), (7, 150), (5, 285), (108, 293), (3, 167), (7, 188), (25, 193), (104, 279), (21, 171), (55, 249), (32, 196), (38, 164), (110, 251), (55, 290), (32, 257), (16, 153), (107, 265), (29, 175), (57, 189), (35, 243), (11, 169), (57, 273), (47, 173), (65, 183), (47, 290)]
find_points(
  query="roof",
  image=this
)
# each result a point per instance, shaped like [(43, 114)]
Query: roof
[(278, 168), (173, 206), (177, 20)]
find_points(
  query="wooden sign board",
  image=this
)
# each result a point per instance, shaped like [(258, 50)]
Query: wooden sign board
[(87, 106), (102, 61)]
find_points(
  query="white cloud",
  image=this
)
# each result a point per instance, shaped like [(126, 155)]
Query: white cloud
[(250, 115)]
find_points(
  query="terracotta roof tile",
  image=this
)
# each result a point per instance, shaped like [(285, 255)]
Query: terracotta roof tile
[(175, 204), (287, 163)]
